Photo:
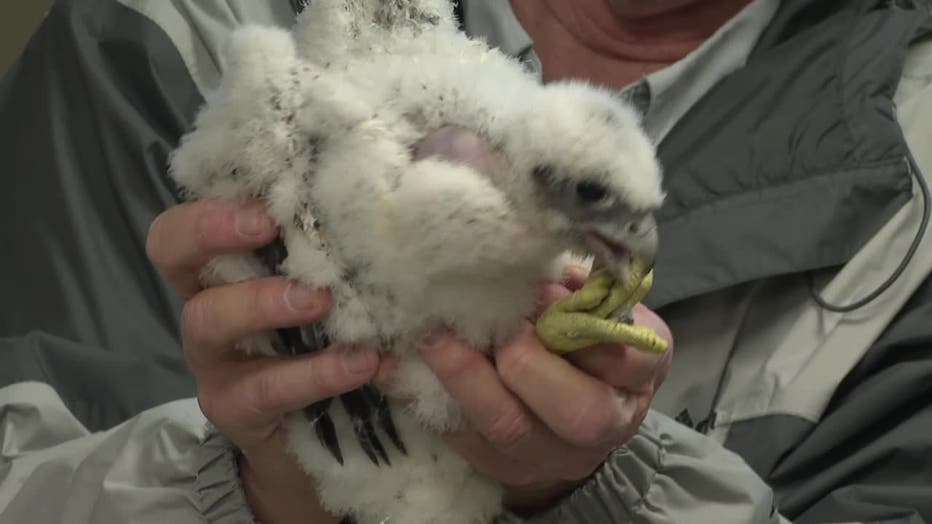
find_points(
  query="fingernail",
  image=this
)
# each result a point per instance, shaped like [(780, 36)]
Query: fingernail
[(432, 338), (358, 361), (302, 298), (252, 220)]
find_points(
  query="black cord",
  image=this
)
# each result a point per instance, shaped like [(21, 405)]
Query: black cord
[(924, 189)]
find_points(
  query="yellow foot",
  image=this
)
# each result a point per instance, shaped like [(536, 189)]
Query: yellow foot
[(595, 315)]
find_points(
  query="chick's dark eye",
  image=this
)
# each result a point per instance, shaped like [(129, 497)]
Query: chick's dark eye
[(591, 192)]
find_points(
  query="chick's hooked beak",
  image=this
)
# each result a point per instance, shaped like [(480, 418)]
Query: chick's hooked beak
[(625, 248)]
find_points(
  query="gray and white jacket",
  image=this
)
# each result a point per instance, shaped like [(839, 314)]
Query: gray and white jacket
[(785, 141)]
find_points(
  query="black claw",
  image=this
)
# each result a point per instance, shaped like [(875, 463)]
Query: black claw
[(327, 435), (377, 444), (315, 337), (292, 343), (359, 404), (273, 255), (317, 415), (360, 413), (384, 416), (303, 340)]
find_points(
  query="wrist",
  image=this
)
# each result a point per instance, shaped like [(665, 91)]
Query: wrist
[(525, 501), (278, 492)]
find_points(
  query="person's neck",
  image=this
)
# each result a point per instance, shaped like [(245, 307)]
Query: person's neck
[(616, 42)]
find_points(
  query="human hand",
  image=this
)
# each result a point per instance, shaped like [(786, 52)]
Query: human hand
[(246, 398), (539, 423)]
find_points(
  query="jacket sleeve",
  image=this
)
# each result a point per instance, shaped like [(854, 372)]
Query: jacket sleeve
[(90, 113), (163, 465), (167, 464), (668, 473)]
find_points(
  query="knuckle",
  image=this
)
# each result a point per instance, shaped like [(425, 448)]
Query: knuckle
[(265, 297), (575, 472), (592, 422), (509, 430), (614, 372), (581, 468), (267, 395), (204, 229), (459, 362), (195, 322), (518, 477), (271, 305), (514, 361)]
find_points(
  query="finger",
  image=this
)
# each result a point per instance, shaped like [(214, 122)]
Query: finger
[(625, 367), (493, 410), (622, 367), (185, 237), (564, 464), (255, 392), (480, 455), (575, 406), (216, 318)]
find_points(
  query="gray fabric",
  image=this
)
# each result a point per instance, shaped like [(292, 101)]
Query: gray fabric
[(868, 457), (819, 170), (766, 347), (748, 207), (165, 465), (674, 90), (764, 442), (198, 29), (495, 22), (664, 96), (668, 473), (89, 115)]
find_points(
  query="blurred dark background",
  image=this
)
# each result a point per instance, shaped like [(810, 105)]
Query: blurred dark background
[(18, 20)]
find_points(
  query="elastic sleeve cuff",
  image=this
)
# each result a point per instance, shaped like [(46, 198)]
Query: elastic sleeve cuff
[(614, 492), (667, 473), (219, 492), (617, 491)]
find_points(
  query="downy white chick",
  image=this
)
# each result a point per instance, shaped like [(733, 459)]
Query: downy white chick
[(320, 123)]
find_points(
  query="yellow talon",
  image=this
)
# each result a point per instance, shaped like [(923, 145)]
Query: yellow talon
[(590, 316)]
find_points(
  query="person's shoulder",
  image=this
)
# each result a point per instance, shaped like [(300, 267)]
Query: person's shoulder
[(197, 29), (212, 15)]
